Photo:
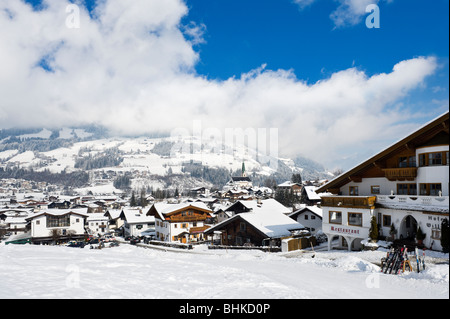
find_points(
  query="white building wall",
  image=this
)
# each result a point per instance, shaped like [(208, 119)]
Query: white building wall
[(39, 226), (433, 174), (426, 221), (352, 234), (364, 187), (309, 222), (163, 230), (166, 231)]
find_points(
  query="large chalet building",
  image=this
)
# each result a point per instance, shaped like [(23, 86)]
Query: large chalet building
[(180, 222), (406, 185)]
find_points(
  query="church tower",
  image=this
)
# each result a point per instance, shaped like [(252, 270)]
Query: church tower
[(244, 174)]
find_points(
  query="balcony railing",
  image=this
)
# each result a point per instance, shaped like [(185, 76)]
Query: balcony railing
[(433, 203), (183, 219), (366, 202), (400, 174)]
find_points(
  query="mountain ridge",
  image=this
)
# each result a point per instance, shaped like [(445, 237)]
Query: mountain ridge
[(149, 161)]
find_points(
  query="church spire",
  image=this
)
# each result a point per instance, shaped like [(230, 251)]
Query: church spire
[(243, 170)]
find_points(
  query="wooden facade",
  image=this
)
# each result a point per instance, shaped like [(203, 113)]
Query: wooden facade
[(366, 202), (398, 162), (175, 222), (238, 232)]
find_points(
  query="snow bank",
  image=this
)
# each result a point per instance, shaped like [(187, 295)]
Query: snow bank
[(135, 272), (351, 263), (434, 273)]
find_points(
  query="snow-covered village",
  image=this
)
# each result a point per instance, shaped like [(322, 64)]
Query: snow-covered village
[(150, 149), (381, 224)]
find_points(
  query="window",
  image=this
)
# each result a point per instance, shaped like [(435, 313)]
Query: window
[(402, 189), (436, 233), (412, 161), (306, 217), (406, 189), (434, 159), (407, 161), (375, 189), (353, 190), (313, 217), (355, 219), (242, 226), (38, 222), (58, 221), (423, 189), (422, 160), (403, 162), (435, 189), (386, 221), (335, 217), (430, 189)]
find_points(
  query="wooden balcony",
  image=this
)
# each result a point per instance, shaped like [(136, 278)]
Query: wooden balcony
[(365, 202), (400, 174), (185, 219)]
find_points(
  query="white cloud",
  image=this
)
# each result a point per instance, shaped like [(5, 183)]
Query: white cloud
[(132, 70), (350, 12), (303, 3)]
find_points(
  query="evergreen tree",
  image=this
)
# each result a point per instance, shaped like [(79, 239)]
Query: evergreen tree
[(445, 230), (296, 178), (143, 198), (373, 232), (393, 231), (133, 201)]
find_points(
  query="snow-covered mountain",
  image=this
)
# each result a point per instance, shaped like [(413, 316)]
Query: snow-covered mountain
[(159, 162)]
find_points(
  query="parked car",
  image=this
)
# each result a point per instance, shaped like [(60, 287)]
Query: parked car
[(94, 241), (78, 244), (135, 240)]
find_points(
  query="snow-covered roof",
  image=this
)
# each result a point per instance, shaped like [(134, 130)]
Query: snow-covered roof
[(60, 212), (311, 193), (166, 208), (136, 216), (268, 205), (316, 210), (114, 213), (288, 184), (97, 216), (271, 224), (15, 220)]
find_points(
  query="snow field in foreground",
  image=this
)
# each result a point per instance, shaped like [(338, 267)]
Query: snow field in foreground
[(134, 272)]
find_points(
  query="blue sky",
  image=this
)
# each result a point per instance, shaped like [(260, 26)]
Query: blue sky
[(310, 68), (242, 35)]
